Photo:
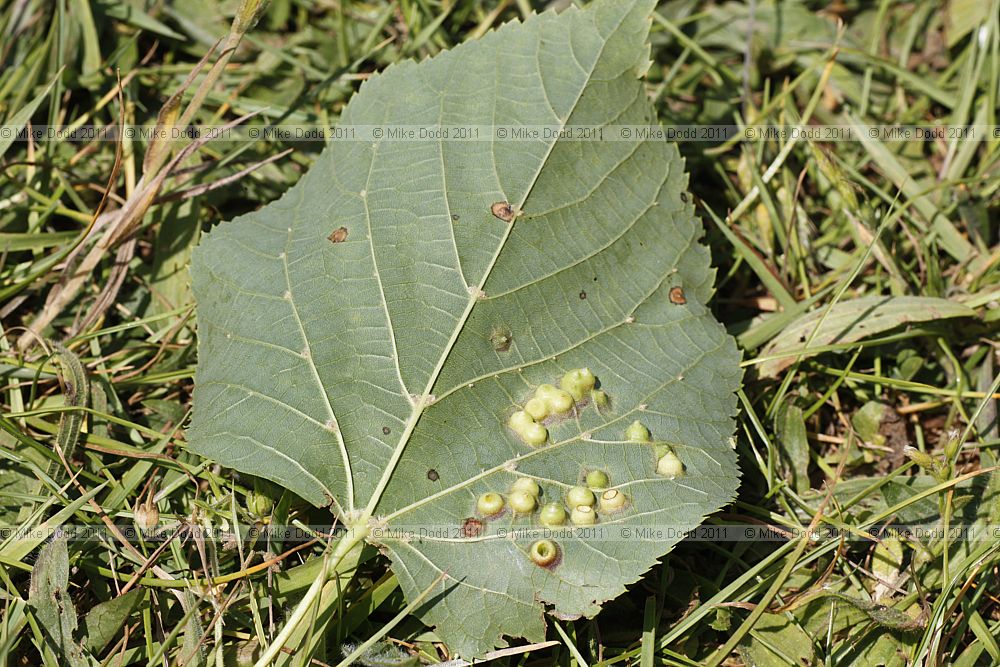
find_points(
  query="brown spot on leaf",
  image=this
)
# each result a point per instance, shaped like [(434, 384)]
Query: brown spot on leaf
[(472, 527), (339, 235), (583, 295), (503, 210), (677, 296), (684, 197), (500, 339), (433, 475), (386, 430)]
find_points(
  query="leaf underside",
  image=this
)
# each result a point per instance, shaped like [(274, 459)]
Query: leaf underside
[(317, 358)]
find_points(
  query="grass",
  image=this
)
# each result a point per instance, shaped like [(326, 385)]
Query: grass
[(96, 236)]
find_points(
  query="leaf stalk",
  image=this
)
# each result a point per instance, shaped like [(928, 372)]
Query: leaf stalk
[(355, 535)]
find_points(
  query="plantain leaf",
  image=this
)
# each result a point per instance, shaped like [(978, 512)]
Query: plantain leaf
[(853, 320), (103, 622), (777, 641), (49, 598), (364, 340)]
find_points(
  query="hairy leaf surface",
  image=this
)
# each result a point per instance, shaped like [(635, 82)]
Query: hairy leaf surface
[(373, 368)]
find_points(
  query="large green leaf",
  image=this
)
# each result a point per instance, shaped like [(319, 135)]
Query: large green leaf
[(362, 374)]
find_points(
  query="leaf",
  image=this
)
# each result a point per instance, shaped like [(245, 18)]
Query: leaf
[(175, 242), (23, 115), (794, 446), (375, 371), (77, 391), (923, 511), (383, 654), (776, 641), (886, 563), (83, 20), (867, 422), (883, 614), (131, 13), (17, 487), (13, 241), (856, 639), (192, 649), (104, 620), (854, 320), (963, 16), (49, 598)]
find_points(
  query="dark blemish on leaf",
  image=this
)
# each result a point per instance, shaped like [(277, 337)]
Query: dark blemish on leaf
[(472, 527), (503, 210), (583, 295), (684, 197), (454, 217), (501, 339), (677, 296), (339, 235), (433, 475), (386, 430)]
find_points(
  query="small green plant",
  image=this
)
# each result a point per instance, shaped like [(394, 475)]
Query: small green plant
[(259, 504)]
